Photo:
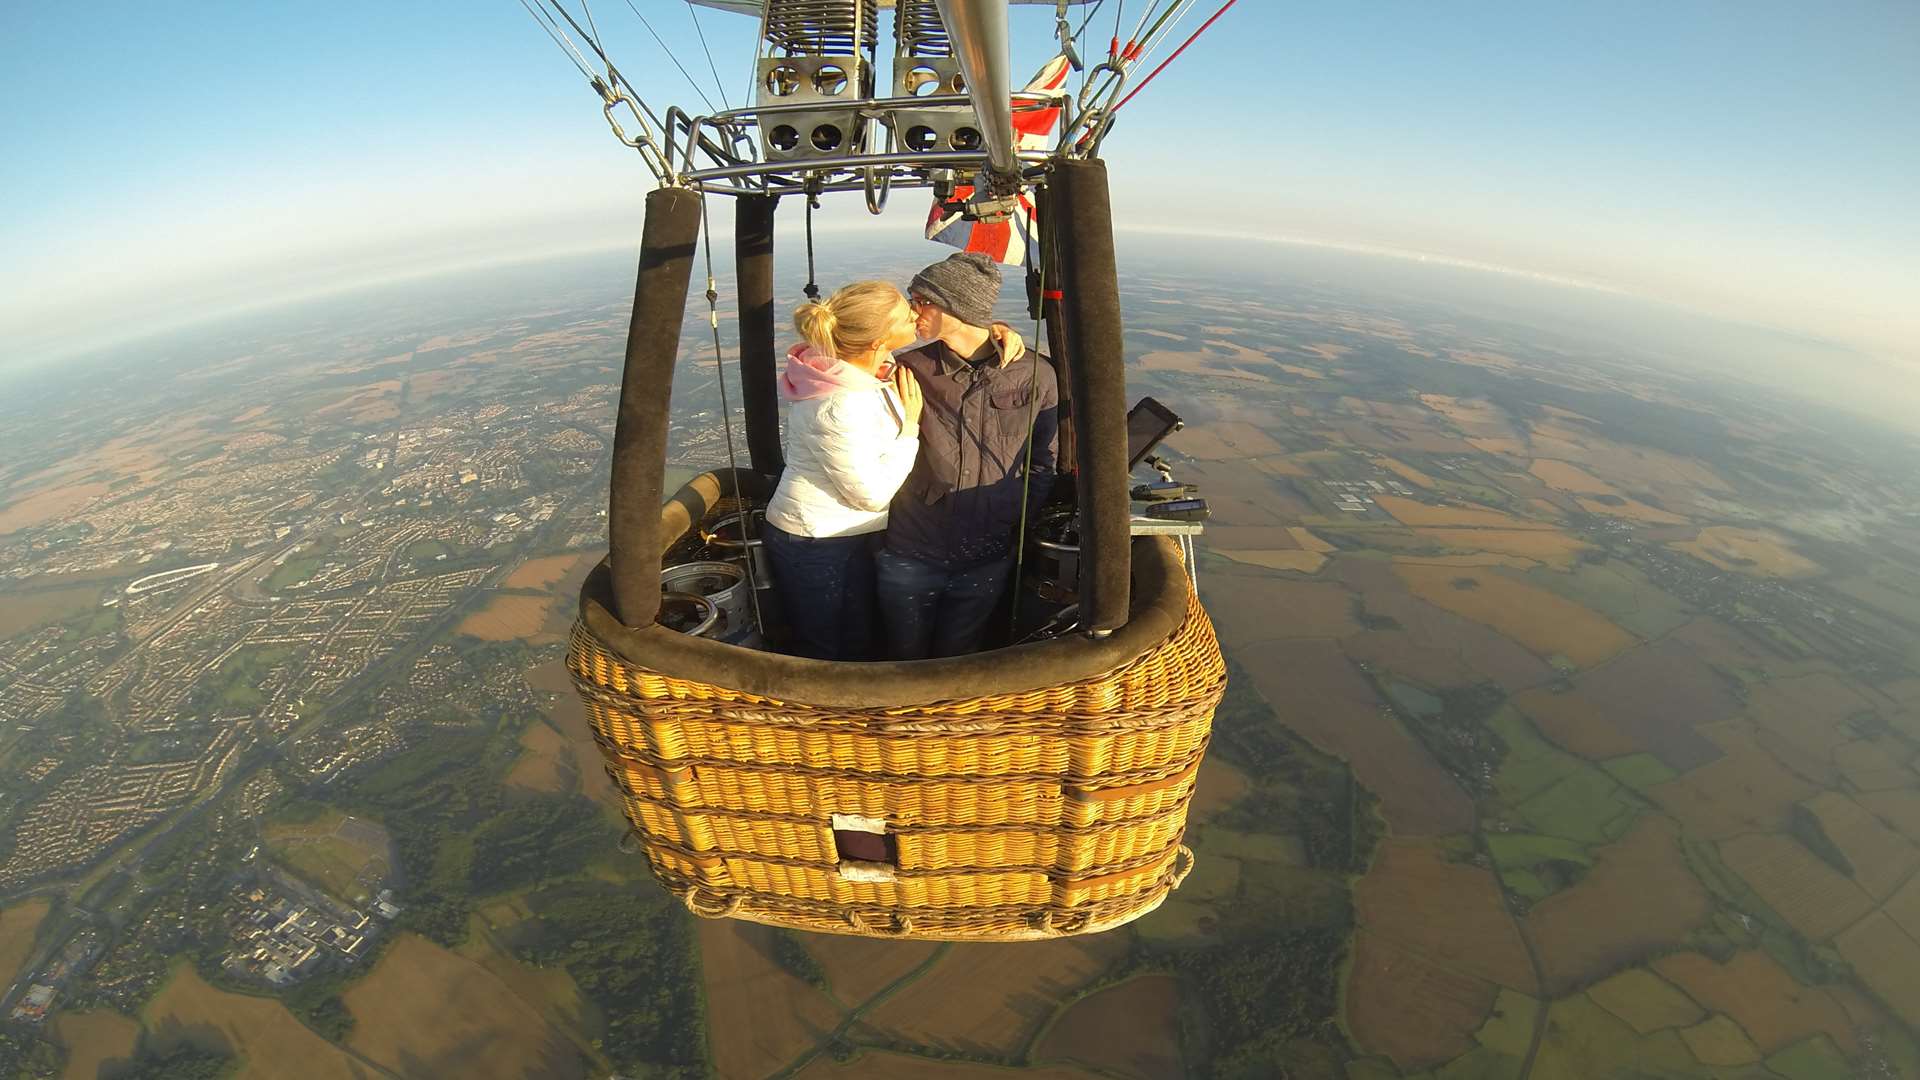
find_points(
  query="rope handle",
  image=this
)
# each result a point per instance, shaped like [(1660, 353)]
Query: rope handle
[(710, 905)]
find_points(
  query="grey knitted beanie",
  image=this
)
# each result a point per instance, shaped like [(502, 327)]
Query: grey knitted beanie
[(967, 284)]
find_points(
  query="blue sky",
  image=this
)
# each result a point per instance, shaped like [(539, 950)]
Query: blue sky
[(1757, 160)]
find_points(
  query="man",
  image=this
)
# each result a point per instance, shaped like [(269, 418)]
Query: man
[(950, 530)]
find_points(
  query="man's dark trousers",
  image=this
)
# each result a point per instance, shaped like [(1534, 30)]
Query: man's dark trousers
[(932, 612)]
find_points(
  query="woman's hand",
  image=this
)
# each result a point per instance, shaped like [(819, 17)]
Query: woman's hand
[(1008, 340), (911, 399)]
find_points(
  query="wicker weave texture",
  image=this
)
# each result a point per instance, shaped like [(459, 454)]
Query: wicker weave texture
[(1024, 815)]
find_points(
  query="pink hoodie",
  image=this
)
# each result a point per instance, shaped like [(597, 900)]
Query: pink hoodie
[(812, 373)]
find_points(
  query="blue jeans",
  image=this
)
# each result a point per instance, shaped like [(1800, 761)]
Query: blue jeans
[(826, 588), (931, 612)]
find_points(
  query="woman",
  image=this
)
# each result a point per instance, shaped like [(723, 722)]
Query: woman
[(852, 433)]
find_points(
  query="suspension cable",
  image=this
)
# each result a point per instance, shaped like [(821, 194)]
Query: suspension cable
[(559, 37), (726, 418), (698, 29), (669, 51), (1033, 405), (1176, 55)]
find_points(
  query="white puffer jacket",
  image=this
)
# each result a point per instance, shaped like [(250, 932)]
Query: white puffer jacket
[(849, 448)]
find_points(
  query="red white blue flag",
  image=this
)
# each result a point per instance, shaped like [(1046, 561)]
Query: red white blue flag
[(1005, 241)]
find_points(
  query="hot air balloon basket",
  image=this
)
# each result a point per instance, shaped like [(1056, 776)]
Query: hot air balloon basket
[(1037, 814)]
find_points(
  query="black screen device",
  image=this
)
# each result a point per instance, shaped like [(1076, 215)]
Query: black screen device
[(1179, 510), (1148, 422)]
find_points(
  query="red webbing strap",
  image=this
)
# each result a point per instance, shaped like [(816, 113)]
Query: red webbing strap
[(1175, 56)]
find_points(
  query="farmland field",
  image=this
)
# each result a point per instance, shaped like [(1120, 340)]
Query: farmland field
[(1638, 898), (426, 1012), (18, 924), (270, 1042), (768, 1015), (993, 997), (1888, 961), (1542, 621), (546, 761), (25, 610), (1748, 551), (508, 617), (1761, 997), (1645, 1000), (1813, 897), (1448, 912), (858, 968), (94, 1041), (1402, 1004), (541, 573), (1128, 1028)]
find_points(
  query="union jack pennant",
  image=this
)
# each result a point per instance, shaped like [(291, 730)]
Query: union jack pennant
[(1005, 241)]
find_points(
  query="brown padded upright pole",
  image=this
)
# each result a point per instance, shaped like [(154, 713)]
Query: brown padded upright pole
[(667, 243), (1059, 350), (753, 268), (1088, 275)]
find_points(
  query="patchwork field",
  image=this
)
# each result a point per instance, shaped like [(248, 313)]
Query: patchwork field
[(1753, 989), (508, 618), (1544, 544), (1746, 790), (1639, 898), (329, 855), (426, 1012), (47, 505), (21, 611), (1128, 1029), (1405, 1006), (858, 968), (1887, 959), (1748, 551), (1882, 859), (1300, 562), (1813, 897), (1570, 478), (18, 924), (1645, 1001), (760, 1015), (1542, 621), (1450, 913), (270, 1042), (546, 761), (993, 997), (95, 1042), (542, 573), (1415, 513)]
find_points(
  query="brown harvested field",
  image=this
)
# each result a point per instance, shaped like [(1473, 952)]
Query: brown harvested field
[(1813, 897), (1220, 786), (1405, 472), (569, 716), (1577, 722), (1128, 1029), (1512, 562), (1875, 764), (1888, 961), (887, 1065), (17, 926), (271, 1043), (94, 1042), (371, 404), (1899, 809), (1544, 622), (858, 968), (1638, 898), (508, 618), (1432, 637), (25, 610), (1544, 543), (1719, 1041), (1632, 509), (1300, 562), (1403, 1005), (1470, 414), (1904, 907), (546, 761), (1316, 692), (1748, 551), (993, 997), (1645, 1001), (1882, 859), (1309, 542), (1449, 913), (1250, 609), (426, 1012), (760, 1016), (1802, 719), (1659, 694), (1196, 363), (1759, 994), (542, 573), (1745, 790), (48, 505), (1499, 447), (1721, 645), (548, 992), (1567, 477), (1412, 512)]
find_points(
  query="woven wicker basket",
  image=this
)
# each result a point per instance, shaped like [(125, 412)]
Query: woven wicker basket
[(1051, 811)]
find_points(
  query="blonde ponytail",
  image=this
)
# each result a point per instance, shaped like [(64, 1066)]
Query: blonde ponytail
[(851, 321)]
